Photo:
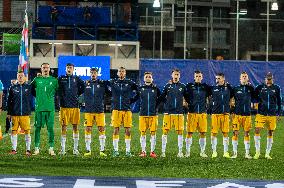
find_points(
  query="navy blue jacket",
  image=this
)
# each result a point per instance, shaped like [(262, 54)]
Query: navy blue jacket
[(149, 99), (269, 99), (19, 100), (172, 95), (122, 93), (197, 94), (70, 88), (243, 95), (94, 96), (221, 96)]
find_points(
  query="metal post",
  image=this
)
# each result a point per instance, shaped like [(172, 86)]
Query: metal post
[(207, 38), (161, 40), (211, 32), (267, 31), (237, 31), (154, 38), (184, 32)]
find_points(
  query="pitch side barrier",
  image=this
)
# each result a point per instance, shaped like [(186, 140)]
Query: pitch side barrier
[(232, 69)]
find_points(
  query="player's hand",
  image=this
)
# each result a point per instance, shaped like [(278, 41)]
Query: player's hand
[(9, 117)]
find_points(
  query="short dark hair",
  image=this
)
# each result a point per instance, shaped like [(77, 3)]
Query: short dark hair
[(197, 72), (69, 65), (94, 69), (175, 70), (244, 72), (20, 71), (148, 73), (121, 68), (220, 74), (44, 64)]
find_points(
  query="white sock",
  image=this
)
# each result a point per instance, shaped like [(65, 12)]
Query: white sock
[(247, 146), (226, 144), (257, 143), (88, 141), (202, 144), (28, 141), (63, 142), (127, 145), (115, 144), (269, 145), (143, 142), (180, 143), (214, 143), (153, 142), (164, 143), (102, 139), (235, 146), (188, 143), (76, 141), (14, 140)]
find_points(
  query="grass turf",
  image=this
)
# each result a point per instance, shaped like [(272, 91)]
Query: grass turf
[(171, 166)]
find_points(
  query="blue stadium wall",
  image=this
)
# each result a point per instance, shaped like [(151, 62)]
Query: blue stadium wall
[(232, 69), (8, 69)]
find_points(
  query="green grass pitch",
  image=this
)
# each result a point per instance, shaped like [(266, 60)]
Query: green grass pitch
[(171, 166)]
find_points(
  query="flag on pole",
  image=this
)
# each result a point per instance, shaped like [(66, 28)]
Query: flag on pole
[(24, 49)]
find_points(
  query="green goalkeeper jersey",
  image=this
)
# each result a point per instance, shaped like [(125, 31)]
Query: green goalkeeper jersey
[(44, 90)]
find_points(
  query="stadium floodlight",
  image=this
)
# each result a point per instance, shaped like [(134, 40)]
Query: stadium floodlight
[(58, 43), (84, 44), (112, 44), (156, 3), (274, 6)]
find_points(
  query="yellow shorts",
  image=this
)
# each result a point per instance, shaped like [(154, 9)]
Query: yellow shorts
[(220, 121), (94, 118), (148, 122), (119, 118), (21, 121), (173, 120), (196, 121), (261, 120), (69, 116), (241, 121)]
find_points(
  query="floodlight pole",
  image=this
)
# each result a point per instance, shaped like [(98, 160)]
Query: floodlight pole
[(237, 31), (161, 39)]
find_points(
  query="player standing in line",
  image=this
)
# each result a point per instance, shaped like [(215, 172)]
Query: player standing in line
[(221, 95), (94, 98), (148, 119), (70, 88), (198, 94), (173, 95), (122, 95), (269, 111), (19, 111), (243, 95), (44, 89)]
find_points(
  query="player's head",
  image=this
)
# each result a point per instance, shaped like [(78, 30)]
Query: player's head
[(269, 78), (148, 78), (45, 69), (175, 75), (21, 77), (198, 76), (121, 73), (244, 79), (69, 69), (220, 78), (94, 73)]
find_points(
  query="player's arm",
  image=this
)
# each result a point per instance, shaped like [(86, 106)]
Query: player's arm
[(256, 96), (279, 100), (107, 87), (9, 101), (164, 93), (81, 86), (135, 89)]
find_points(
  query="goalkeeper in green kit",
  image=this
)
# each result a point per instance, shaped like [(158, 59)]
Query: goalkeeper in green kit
[(44, 89)]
